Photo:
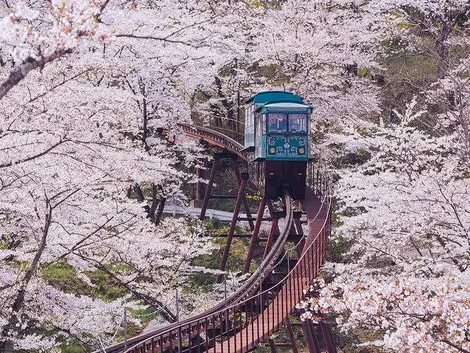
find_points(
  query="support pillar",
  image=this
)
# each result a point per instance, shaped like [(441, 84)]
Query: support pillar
[(312, 343), (254, 236), (233, 224), (272, 233), (272, 346), (328, 336), (209, 188), (290, 333), (245, 201)]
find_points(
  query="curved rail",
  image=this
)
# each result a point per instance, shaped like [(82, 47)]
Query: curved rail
[(214, 138), (230, 326), (289, 291), (163, 338), (229, 329)]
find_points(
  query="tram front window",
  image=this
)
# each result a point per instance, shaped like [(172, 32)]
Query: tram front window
[(297, 123), (277, 122)]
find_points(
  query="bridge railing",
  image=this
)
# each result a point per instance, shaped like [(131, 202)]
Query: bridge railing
[(318, 179), (231, 325), (162, 338), (240, 324), (215, 137), (273, 305)]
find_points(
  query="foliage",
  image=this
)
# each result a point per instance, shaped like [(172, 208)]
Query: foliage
[(403, 209), (73, 136), (91, 93)]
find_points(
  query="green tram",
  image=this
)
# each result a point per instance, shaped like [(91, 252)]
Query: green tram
[(277, 132)]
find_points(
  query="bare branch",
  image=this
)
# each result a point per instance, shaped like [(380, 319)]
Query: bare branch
[(161, 39), (165, 312), (63, 82), (460, 349), (100, 12), (27, 159), (80, 242)]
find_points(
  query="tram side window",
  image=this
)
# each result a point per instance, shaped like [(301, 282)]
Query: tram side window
[(277, 122), (263, 125), (259, 126), (297, 122), (249, 115)]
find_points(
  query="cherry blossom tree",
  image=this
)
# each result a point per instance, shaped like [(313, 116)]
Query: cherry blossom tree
[(405, 215), (427, 26), (91, 93), (74, 135), (405, 210), (403, 201), (323, 51), (33, 36), (408, 221), (64, 182)]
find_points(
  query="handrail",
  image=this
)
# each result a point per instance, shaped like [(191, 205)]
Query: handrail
[(224, 312), (290, 290), (251, 285), (248, 287), (245, 334)]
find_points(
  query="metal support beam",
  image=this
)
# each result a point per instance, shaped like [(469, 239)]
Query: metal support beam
[(247, 219), (254, 237), (328, 336), (245, 201), (272, 212), (233, 224), (209, 188), (314, 335), (290, 333), (272, 233), (298, 226), (227, 197), (272, 346), (313, 346), (300, 247)]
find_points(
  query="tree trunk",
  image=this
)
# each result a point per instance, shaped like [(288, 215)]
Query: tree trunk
[(20, 296), (443, 50), (159, 213)]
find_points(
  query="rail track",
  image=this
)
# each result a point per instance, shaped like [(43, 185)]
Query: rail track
[(259, 307)]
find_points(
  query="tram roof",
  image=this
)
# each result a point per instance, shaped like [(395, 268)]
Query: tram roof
[(286, 106), (274, 96)]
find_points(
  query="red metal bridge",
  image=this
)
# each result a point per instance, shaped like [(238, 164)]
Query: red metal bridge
[(267, 300)]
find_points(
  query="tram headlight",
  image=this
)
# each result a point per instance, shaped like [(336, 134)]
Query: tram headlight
[(301, 150), (272, 150)]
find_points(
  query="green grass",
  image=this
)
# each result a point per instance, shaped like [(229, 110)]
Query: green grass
[(4, 244), (71, 346), (348, 342), (63, 276), (106, 287), (237, 255), (203, 282)]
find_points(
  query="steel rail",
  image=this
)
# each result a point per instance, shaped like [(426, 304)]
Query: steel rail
[(216, 312), (215, 138), (290, 291), (223, 316), (242, 334)]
